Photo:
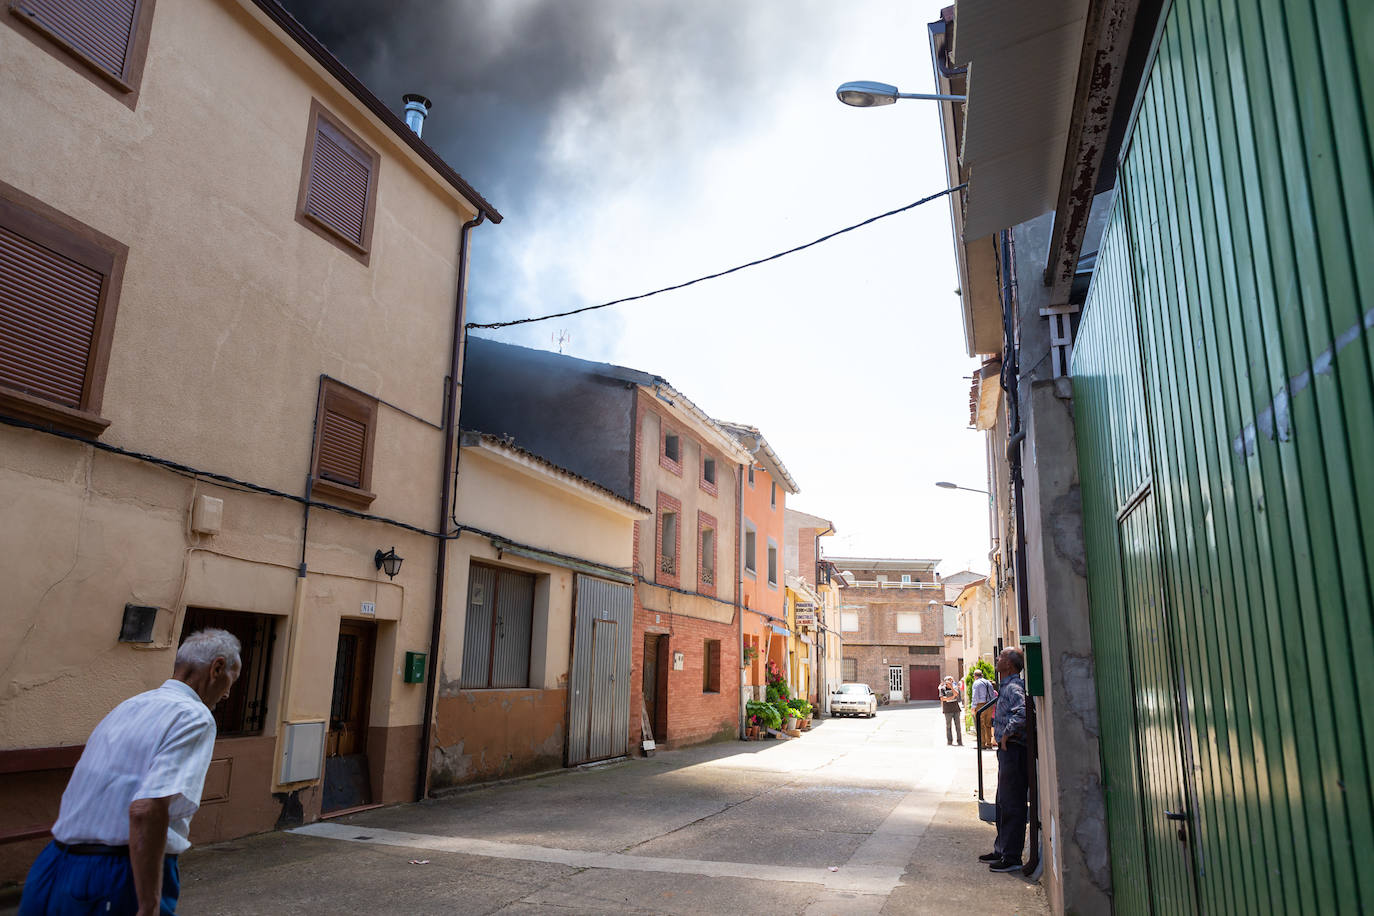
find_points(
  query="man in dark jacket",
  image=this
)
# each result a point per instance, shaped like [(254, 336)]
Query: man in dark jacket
[(1009, 731)]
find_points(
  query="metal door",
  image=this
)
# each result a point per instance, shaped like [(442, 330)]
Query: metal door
[(895, 684), (599, 692), (1155, 677)]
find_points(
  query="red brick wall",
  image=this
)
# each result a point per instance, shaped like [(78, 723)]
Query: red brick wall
[(693, 714)]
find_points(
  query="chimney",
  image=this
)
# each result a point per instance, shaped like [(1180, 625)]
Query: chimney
[(417, 106)]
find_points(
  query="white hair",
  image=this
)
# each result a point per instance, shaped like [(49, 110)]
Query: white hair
[(204, 646)]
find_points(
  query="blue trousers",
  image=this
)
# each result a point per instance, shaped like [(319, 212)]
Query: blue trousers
[(1013, 784), (66, 884)]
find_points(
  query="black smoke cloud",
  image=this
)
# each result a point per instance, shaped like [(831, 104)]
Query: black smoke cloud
[(641, 83)]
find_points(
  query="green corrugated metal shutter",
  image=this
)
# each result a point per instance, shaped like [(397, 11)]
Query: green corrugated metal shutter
[(1245, 202)]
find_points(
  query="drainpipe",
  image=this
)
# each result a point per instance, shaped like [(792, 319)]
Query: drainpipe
[(739, 580), (1011, 370), (445, 497)]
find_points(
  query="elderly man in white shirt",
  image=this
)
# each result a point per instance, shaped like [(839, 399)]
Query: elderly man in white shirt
[(126, 813)]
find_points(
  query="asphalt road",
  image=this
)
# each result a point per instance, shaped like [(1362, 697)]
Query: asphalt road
[(856, 816)]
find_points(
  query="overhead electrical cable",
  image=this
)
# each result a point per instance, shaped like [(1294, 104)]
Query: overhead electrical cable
[(755, 263)]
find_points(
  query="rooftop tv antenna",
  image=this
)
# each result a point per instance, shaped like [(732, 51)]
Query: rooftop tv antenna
[(560, 337)]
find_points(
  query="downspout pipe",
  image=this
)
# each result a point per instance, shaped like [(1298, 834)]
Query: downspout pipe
[(446, 487), (739, 578), (1011, 370)]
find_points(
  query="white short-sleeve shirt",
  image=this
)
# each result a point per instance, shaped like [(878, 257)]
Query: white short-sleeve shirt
[(154, 745)]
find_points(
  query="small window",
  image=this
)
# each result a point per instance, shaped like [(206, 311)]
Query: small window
[(751, 475), (338, 192), (710, 666), (672, 447), (750, 549), (104, 40), (708, 471), (906, 578), (708, 557), (244, 710), (849, 623), (59, 290), (773, 494), (667, 547), (345, 434), (772, 562), (908, 622), (849, 669), (498, 629)]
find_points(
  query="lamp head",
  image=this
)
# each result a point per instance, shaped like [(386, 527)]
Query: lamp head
[(866, 94), (946, 485), (388, 562)]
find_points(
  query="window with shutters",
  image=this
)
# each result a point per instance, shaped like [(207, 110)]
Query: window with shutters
[(103, 40), (59, 290), (345, 434), (499, 628), (849, 670), (338, 192)]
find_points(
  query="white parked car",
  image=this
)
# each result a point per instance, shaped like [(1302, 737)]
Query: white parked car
[(853, 700)]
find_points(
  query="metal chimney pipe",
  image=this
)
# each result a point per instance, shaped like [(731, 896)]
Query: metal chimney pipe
[(417, 107)]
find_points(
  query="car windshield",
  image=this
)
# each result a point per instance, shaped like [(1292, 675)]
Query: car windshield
[(853, 688)]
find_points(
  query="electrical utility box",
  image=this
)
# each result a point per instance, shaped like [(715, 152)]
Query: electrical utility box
[(1035, 666), (414, 672)]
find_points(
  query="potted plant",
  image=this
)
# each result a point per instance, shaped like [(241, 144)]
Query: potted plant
[(750, 653), (762, 715)]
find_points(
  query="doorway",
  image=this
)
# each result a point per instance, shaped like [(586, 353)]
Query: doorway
[(655, 684), (599, 698), (896, 689), (1157, 679), (347, 782)]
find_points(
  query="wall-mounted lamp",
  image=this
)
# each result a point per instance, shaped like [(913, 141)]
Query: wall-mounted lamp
[(867, 94), (388, 562)]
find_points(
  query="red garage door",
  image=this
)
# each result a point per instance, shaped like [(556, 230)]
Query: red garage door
[(924, 683)]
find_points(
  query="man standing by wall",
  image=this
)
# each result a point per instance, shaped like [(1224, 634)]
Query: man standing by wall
[(983, 692), (1009, 731), (127, 810), (949, 702)]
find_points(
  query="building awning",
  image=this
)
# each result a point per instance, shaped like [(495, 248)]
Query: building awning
[(1022, 77), (781, 631), (555, 559)]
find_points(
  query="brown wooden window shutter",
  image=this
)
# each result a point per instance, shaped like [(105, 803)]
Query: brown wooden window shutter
[(107, 38), (339, 184), (345, 433), (59, 283)]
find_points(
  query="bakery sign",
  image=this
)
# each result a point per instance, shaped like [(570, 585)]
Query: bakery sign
[(806, 614)]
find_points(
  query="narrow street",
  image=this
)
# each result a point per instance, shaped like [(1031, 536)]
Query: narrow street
[(723, 828)]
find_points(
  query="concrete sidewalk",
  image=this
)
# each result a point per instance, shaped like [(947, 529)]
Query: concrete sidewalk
[(856, 816)]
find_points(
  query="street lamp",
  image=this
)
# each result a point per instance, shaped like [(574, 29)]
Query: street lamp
[(868, 94), (951, 486)]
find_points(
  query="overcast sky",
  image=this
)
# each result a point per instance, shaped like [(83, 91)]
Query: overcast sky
[(631, 145)]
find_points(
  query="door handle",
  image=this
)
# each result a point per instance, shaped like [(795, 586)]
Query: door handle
[(1176, 815)]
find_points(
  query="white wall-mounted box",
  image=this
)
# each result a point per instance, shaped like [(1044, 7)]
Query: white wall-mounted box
[(302, 750)]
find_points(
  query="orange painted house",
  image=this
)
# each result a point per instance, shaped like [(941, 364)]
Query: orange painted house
[(766, 486)]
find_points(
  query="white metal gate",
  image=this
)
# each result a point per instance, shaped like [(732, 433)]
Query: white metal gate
[(599, 692), (894, 684)]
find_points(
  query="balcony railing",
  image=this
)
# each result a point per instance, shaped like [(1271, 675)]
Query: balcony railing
[(876, 583)]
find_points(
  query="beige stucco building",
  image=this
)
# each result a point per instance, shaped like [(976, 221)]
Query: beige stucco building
[(560, 546), (269, 268)]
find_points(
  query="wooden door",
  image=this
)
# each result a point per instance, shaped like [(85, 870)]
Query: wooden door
[(347, 782)]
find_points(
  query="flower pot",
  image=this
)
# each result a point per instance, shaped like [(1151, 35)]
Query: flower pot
[(791, 723)]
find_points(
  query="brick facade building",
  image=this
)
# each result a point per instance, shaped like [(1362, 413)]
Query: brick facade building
[(634, 434), (893, 626)]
